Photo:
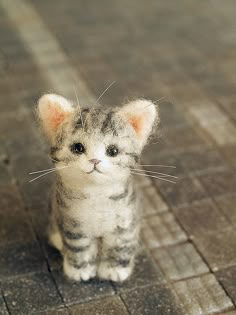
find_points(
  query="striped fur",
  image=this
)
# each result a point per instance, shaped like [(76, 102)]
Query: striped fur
[(95, 209)]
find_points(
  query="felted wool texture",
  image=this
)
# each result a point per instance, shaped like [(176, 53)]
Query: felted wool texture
[(95, 206)]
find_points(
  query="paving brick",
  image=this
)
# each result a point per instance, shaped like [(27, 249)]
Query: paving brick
[(170, 115), (31, 293), (219, 183), (4, 157), (202, 217), (37, 203), (161, 230), (10, 199), (185, 137), (15, 226), (180, 261), (62, 311), (25, 137), (223, 133), (186, 191), (228, 313), (74, 292), (218, 248), (227, 205), (35, 194), (23, 165), (6, 178), (145, 273), (14, 223), (3, 308), (199, 161), (157, 299), (20, 258), (157, 144), (230, 152), (152, 156), (152, 202), (111, 305), (202, 295), (208, 114), (53, 255), (227, 278)]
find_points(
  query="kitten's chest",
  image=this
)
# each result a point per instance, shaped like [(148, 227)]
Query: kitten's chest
[(97, 217), (98, 214)]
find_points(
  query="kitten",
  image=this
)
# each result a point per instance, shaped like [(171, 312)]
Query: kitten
[(95, 207)]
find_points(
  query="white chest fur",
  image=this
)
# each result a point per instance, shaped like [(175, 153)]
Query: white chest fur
[(97, 214)]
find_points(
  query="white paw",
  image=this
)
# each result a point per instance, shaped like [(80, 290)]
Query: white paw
[(81, 274), (55, 240), (116, 274)]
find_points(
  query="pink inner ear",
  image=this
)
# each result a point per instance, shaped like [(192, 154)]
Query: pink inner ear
[(137, 123), (56, 116)]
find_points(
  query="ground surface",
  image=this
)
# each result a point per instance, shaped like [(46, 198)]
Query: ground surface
[(184, 51)]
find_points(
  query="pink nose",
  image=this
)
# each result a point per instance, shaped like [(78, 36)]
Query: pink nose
[(95, 161)]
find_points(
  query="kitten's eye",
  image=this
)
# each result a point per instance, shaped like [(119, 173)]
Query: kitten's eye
[(78, 148), (112, 150)]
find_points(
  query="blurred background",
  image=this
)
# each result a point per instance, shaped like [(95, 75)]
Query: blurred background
[(182, 55)]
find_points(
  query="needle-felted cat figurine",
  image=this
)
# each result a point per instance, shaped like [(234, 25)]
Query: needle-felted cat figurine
[(95, 208)]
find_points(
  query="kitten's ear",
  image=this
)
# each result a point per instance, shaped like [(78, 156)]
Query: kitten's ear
[(141, 114), (53, 110)]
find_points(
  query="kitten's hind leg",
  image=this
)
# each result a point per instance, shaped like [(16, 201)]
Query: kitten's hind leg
[(54, 236), (55, 240), (118, 255), (80, 254)]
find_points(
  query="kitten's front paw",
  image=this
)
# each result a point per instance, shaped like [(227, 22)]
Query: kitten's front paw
[(116, 274), (83, 273)]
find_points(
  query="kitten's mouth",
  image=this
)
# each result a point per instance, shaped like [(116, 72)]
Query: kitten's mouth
[(94, 170)]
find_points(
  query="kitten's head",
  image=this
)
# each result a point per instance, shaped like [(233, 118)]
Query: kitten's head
[(99, 145)]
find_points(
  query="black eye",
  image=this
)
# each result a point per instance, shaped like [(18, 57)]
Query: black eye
[(77, 148), (112, 150)]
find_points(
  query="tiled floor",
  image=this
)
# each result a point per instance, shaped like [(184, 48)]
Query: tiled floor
[(185, 52)]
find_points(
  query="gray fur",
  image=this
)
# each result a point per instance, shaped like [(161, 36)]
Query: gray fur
[(102, 207)]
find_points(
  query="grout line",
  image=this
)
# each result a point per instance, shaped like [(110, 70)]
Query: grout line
[(50, 271), (5, 301), (125, 305), (209, 267), (226, 292), (189, 240)]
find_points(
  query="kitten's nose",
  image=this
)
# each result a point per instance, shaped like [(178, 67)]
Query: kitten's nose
[(95, 161)]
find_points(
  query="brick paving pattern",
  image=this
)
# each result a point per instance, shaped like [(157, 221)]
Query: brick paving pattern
[(185, 52)]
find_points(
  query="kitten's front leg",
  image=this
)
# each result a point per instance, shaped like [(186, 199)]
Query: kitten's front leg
[(80, 253), (118, 255)]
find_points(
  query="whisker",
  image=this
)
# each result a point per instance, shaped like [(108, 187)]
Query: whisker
[(42, 171), (157, 177), (159, 99), (160, 165), (41, 175), (153, 172), (79, 107), (52, 159), (51, 171), (155, 101), (36, 120), (104, 92), (99, 99)]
